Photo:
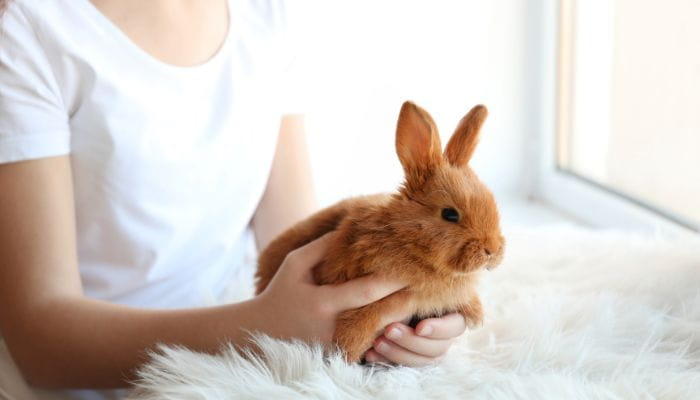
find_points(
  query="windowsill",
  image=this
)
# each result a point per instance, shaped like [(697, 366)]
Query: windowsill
[(518, 213)]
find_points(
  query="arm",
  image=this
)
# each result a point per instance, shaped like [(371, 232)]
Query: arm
[(59, 338), (289, 195), (56, 336)]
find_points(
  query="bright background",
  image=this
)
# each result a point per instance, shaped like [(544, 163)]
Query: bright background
[(366, 57), (362, 59)]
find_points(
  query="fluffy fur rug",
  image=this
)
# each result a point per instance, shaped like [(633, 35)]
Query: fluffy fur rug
[(570, 314)]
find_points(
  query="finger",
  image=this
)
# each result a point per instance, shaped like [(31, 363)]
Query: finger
[(359, 292), (446, 327), (373, 357), (303, 259), (403, 336), (399, 355)]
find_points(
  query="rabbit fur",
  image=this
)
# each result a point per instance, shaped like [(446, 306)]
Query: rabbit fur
[(407, 235)]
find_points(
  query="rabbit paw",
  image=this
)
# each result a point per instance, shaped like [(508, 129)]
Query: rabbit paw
[(355, 333), (473, 313)]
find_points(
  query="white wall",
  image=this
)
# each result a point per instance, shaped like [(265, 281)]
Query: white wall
[(364, 58)]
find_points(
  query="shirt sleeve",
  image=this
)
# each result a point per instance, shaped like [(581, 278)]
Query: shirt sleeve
[(33, 120)]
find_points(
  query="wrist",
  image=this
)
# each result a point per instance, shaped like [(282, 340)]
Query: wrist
[(252, 316)]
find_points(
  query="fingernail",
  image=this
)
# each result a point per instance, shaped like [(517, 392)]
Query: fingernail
[(394, 334), (425, 331), (382, 347)]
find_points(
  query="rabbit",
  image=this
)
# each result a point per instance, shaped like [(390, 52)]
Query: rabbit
[(437, 233)]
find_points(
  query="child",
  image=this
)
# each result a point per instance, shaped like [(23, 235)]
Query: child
[(139, 143)]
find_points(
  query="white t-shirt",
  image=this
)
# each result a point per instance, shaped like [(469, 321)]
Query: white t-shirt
[(169, 163)]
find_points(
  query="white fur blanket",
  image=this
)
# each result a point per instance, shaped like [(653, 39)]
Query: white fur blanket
[(570, 314)]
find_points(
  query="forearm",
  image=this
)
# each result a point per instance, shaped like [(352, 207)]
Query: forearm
[(82, 343)]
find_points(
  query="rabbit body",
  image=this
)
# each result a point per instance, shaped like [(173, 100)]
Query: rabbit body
[(406, 236)]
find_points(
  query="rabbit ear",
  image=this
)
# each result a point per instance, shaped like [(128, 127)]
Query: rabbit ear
[(417, 141), (461, 146)]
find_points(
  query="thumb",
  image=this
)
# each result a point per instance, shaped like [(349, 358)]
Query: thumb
[(359, 292), (300, 262)]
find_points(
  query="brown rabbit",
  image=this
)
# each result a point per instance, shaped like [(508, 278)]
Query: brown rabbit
[(437, 233)]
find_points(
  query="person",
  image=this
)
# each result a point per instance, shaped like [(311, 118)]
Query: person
[(143, 145)]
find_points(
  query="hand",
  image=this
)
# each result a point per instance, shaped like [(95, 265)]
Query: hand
[(427, 344), (294, 306)]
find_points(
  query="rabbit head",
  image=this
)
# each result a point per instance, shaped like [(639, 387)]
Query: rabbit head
[(448, 216)]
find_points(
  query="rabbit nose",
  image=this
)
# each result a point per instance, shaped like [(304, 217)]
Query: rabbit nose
[(492, 246)]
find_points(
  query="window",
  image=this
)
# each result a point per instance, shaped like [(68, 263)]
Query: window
[(628, 112)]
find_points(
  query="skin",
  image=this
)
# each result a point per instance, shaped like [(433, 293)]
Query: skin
[(61, 339)]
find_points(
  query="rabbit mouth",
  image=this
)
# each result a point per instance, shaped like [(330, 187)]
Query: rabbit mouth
[(465, 265), (494, 261), (468, 260)]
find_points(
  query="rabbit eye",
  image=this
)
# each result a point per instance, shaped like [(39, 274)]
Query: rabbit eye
[(450, 214)]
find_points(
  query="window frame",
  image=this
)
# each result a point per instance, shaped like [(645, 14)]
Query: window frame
[(583, 199)]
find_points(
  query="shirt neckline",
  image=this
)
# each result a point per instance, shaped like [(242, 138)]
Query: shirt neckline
[(107, 24)]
